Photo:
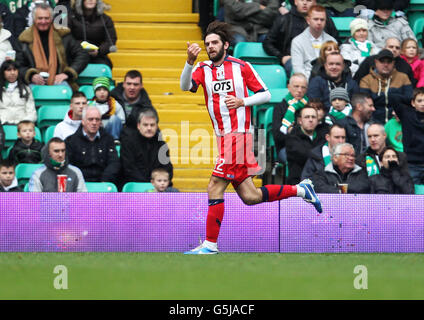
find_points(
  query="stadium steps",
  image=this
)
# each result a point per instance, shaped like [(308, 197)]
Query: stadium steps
[(152, 38)]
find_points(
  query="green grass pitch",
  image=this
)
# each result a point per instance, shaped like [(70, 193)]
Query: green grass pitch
[(225, 276)]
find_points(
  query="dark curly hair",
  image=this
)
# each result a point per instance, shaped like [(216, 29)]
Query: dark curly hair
[(222, 29)]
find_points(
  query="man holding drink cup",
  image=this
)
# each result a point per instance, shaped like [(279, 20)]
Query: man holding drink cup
[(57, 175)]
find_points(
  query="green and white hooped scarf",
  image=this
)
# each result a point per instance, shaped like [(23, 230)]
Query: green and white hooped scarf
[(326, 154), (372, 166), (363, 53), (294, 105)]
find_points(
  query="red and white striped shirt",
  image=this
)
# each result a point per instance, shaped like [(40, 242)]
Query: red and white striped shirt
[(234, 77)]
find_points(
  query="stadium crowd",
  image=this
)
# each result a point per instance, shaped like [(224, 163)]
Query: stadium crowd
[(354, 112)]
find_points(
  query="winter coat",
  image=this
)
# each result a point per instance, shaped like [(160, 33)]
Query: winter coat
[(314, 163), (376, 86), (354, 135), (327, 180), (352, 53), (97, 29), (5, 44), (400, 65), (285, 28), (72, 59), (248, 19), (320, 86), (21, 153), (417, 66), (14, 187), (391, 181), (317, 67), (362, 158), (14, 109), (98, 159), (298, 147), (140, 155), (44, 179), (66, 127), (278, 113), (131, 115), (379, 32)]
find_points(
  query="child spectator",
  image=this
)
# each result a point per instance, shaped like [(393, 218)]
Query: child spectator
[(113, 115), (340, 106), (412, 119), (409, 53), (26, 149), (319, 106), (160, 180), (8, 181)]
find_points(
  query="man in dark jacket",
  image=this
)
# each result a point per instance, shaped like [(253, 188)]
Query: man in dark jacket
[(93, 150), (62, 63), (8, 181), (132, 96), (342, 170), (286, 27), (357, 124), (142, 149), (301, 140), (320, 156), (401, 65), (332, 75)]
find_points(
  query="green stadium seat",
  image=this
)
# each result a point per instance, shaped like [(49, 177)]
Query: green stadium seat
[(137, 187), (101, 187), (342, 25), (48, 134), (24, 171), (93, 71), (417, 27), (118, 150), (215, 7), (26, 188), (416, 5), (89, 92), (11, 134), (51, 115), (419, 189), (253, 52), (52, 95)]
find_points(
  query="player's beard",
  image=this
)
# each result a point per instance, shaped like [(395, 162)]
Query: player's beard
[(218, 56)]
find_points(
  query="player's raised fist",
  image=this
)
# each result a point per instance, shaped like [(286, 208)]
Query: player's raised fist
[(193, 51)]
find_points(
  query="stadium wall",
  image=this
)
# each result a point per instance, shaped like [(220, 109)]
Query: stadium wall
[(152, 222)]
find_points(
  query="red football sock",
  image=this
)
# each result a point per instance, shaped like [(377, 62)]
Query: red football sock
[(214, 219), (272, 192)]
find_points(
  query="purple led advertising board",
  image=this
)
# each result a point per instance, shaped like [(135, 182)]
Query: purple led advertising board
[(175, 222)]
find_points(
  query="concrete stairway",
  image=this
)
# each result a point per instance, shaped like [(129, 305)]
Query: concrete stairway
[(152, 38)]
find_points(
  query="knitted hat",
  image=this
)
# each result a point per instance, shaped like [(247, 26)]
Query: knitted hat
[(101, 82), (340, 93), (384, 5), (358, 24)]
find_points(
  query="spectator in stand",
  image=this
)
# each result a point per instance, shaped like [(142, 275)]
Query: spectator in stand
[(370, 159), (143, 149), (56, 163), (401, 65), (283, 117), (319, 107), (383, 25), (93, 150), (26, 149), (113, 115), (385, 81), (394, 133), (73, 118), (7, 19), (332, 75), (399, 6), (16, 99), (306, 46), (357, 124), (338, 8), (342, 170), (8, 181), (301, 140), (288, 26), (320, 156), (391, 180), (340, 105), (357, 48), (6, 48), (409, 53), (411, 116), (160, 181), (89, 23), (132, 96), (250, 20), (49, 50)]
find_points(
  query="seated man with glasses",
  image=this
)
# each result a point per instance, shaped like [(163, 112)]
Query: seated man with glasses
[(342, 170)]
